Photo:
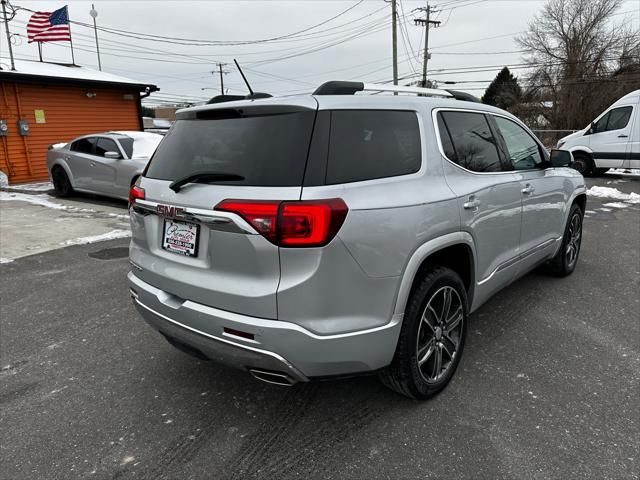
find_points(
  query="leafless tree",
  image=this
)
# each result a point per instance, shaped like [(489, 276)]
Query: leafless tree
[(581, 59)]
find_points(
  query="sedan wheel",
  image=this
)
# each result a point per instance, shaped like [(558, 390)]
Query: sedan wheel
[(61, 182)]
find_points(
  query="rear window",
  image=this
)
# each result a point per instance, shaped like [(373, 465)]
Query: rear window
[(268, 150), (84, 145), (370, 144)]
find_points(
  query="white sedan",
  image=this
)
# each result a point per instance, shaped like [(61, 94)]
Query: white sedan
[(102, 163)]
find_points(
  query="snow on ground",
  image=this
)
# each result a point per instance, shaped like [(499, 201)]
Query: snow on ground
[(625, 171), (43, 199), (113, 234), (30, 187), (614, 193), (616, 205), (6, 260)]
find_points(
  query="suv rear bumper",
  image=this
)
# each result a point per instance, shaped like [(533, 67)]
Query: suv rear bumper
[(277, 346)]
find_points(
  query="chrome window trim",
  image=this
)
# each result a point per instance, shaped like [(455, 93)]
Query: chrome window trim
[(434, 118)]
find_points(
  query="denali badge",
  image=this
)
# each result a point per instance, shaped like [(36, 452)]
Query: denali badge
[(168, 211)]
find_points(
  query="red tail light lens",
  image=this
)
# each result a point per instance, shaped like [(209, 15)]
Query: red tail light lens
[(263, 215), (306, 223), (136, 193)]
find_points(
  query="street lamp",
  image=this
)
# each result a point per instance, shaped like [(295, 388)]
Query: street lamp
[(94, 13)]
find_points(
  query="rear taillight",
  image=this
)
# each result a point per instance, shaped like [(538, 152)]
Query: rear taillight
[(136, 193), (305, 223), (261, 214)]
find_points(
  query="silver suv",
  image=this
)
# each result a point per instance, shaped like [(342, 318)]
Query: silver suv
[(341, 233)]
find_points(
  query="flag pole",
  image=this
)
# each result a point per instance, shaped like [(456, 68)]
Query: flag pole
[(73, 59), (40, 50)]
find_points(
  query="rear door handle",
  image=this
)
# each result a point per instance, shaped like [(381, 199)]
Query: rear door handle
[(623, 135), (528, 189), (472, 204)]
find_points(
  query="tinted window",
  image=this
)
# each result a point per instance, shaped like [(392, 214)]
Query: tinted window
[(445, 138), (84, 145), (523, 151), (127, 145), (268, 150), (105, 145), (473, 146), (369, 144), (619, 118)]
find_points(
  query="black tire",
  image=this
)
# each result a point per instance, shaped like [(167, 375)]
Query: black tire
[(583, 163), (61, 182), (405, 375), (565, 261)]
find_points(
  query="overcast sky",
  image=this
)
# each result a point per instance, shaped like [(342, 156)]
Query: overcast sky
[(354, 46)]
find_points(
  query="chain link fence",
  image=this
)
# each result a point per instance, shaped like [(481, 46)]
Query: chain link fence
[(550, 137)]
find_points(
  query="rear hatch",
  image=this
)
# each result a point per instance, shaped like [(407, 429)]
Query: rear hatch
[(243, 151)]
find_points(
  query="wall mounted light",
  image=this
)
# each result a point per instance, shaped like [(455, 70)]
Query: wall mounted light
[(91, 94)]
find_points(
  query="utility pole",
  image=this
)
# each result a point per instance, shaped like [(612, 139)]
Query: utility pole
[(6, 26), (427, 22), (394, 39), (222, 72)]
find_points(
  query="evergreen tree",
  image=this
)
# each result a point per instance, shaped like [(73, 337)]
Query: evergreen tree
[(504, 92)]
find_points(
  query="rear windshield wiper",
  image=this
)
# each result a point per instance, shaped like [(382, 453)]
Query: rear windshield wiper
[(203, 177)]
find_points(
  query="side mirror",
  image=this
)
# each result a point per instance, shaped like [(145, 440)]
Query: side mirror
[(112, 155), (561, 158), (592, 128)]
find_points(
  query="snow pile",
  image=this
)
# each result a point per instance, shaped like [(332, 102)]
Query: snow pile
[(31, 187), (608, 192), (616, 205), (625, 171), (42, 200), (4, 180), (112, 235), (6, 260)]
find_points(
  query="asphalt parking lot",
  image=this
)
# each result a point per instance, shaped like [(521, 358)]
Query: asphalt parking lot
[(548, 387)]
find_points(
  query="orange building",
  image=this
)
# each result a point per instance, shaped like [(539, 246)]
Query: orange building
[(46, 103)]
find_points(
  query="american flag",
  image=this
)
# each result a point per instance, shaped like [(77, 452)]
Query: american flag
[(49, 26)]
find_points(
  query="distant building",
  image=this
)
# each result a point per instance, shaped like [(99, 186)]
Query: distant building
[(166, 112), (46, 103)]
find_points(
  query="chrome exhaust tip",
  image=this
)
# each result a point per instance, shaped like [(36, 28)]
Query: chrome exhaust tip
[(273, 378)]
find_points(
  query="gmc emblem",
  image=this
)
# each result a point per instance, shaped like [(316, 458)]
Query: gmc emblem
[(168, 211)]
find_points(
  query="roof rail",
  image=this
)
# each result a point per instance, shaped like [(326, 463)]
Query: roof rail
[(351, 88)]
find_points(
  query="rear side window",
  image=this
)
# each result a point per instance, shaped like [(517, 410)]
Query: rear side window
[(267, 150), (471, 143), (84, 145), (370, 144)]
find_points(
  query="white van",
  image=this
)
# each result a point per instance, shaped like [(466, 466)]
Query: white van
[(611, 141)]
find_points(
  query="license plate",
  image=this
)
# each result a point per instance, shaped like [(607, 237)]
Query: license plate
[(181, 238)]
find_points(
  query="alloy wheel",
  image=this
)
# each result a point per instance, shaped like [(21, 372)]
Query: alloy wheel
[(575, 236), (439, 334)]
